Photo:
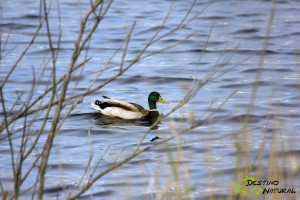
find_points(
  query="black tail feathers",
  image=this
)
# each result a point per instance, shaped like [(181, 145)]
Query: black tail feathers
[(102, 104)]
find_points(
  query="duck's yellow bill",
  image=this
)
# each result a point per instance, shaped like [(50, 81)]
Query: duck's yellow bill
[(160, 99)]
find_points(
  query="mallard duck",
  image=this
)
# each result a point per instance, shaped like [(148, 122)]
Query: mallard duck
[(127, 110)]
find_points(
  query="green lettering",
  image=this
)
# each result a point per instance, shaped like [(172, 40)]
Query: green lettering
[(267, 190), (249, 182), (259, 183), (270, 183), (291, 190), (282, 190)]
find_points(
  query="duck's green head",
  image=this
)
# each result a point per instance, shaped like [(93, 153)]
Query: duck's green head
[(153, 98)]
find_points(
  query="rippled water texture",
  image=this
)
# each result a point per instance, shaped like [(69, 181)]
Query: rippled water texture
[(228, 34)]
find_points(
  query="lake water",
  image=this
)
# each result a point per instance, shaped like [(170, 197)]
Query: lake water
[(227, 34)]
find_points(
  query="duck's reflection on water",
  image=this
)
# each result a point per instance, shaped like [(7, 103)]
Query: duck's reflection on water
[(106, 121)]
